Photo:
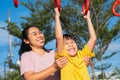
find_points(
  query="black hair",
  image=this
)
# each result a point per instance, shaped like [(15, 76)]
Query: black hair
[(68, 36), (25, 47)]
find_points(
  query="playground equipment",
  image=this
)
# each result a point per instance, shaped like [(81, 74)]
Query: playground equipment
[(57, 4), (117, 2), (16, 3), (85, 6)]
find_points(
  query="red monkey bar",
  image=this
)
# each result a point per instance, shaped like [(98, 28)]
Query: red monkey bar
[(16, 3), (57, 4), (117, 2), (85, 6)]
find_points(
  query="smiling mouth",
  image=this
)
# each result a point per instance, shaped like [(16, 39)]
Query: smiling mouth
[(71, 49), (40, 40)]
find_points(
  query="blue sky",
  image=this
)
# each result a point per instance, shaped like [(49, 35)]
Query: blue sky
[(15, 14)]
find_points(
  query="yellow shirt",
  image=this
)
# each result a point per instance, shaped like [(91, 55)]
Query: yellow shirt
[(76, 68)]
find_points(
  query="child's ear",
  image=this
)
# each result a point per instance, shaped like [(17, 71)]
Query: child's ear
[(26, 41)]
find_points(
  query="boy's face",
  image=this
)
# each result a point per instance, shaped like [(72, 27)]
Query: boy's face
[(70, 46)]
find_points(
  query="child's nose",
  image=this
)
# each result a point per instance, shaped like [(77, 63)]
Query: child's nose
[(39, 35), (71, 45)]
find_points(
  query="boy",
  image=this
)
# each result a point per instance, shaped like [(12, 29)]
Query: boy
[(66, 46)]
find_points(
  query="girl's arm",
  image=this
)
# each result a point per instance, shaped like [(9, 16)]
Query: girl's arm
[(30, 75), (58, 31), (92, 40)]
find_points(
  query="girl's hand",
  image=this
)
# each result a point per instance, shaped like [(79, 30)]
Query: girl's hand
[(87, 60), (61, 62)]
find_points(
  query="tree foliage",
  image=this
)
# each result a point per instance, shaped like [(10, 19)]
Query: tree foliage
[(42, 15)]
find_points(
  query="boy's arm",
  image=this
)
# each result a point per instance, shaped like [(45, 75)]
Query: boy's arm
[(58, 32), (92, 40)]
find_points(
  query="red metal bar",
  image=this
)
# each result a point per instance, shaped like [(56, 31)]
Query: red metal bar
[(117, 2), (16, 3), (57, 4), (85, 6)]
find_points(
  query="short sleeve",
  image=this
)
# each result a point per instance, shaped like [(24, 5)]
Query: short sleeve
[(86, 52), (26, 63), (58, 55)]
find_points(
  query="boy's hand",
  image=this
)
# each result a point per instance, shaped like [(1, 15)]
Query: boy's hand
[(86, 16), (56, 12)]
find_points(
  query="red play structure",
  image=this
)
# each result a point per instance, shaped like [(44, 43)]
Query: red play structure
[(85, 6), (117, 2), (16, 3), (57, 4)]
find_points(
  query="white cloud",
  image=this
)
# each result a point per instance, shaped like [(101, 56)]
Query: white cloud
[(3, 33), (1, 71), (2, 24), (107, 75), (115, 46), (3, 36)]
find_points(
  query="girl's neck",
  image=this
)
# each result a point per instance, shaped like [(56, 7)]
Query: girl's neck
[(39, 51)]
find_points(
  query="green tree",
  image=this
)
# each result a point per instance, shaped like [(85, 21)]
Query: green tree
[(42, 15), (13, 75), (1, 77), (116, 72), (102, 15)]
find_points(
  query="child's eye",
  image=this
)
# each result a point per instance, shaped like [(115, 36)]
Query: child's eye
[(39, 32), (33, 33), (66, 43)]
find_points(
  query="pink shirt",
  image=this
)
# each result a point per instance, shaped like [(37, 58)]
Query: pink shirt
[(31, 61)]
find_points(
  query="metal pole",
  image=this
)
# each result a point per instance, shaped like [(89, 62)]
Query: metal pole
[(10, 44), (5, 70)]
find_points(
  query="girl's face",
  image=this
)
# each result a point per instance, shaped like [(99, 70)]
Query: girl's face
[(71, 46), (35, 38)]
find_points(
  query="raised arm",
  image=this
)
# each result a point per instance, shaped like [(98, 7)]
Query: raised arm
[(92, 40), (58, 31)]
